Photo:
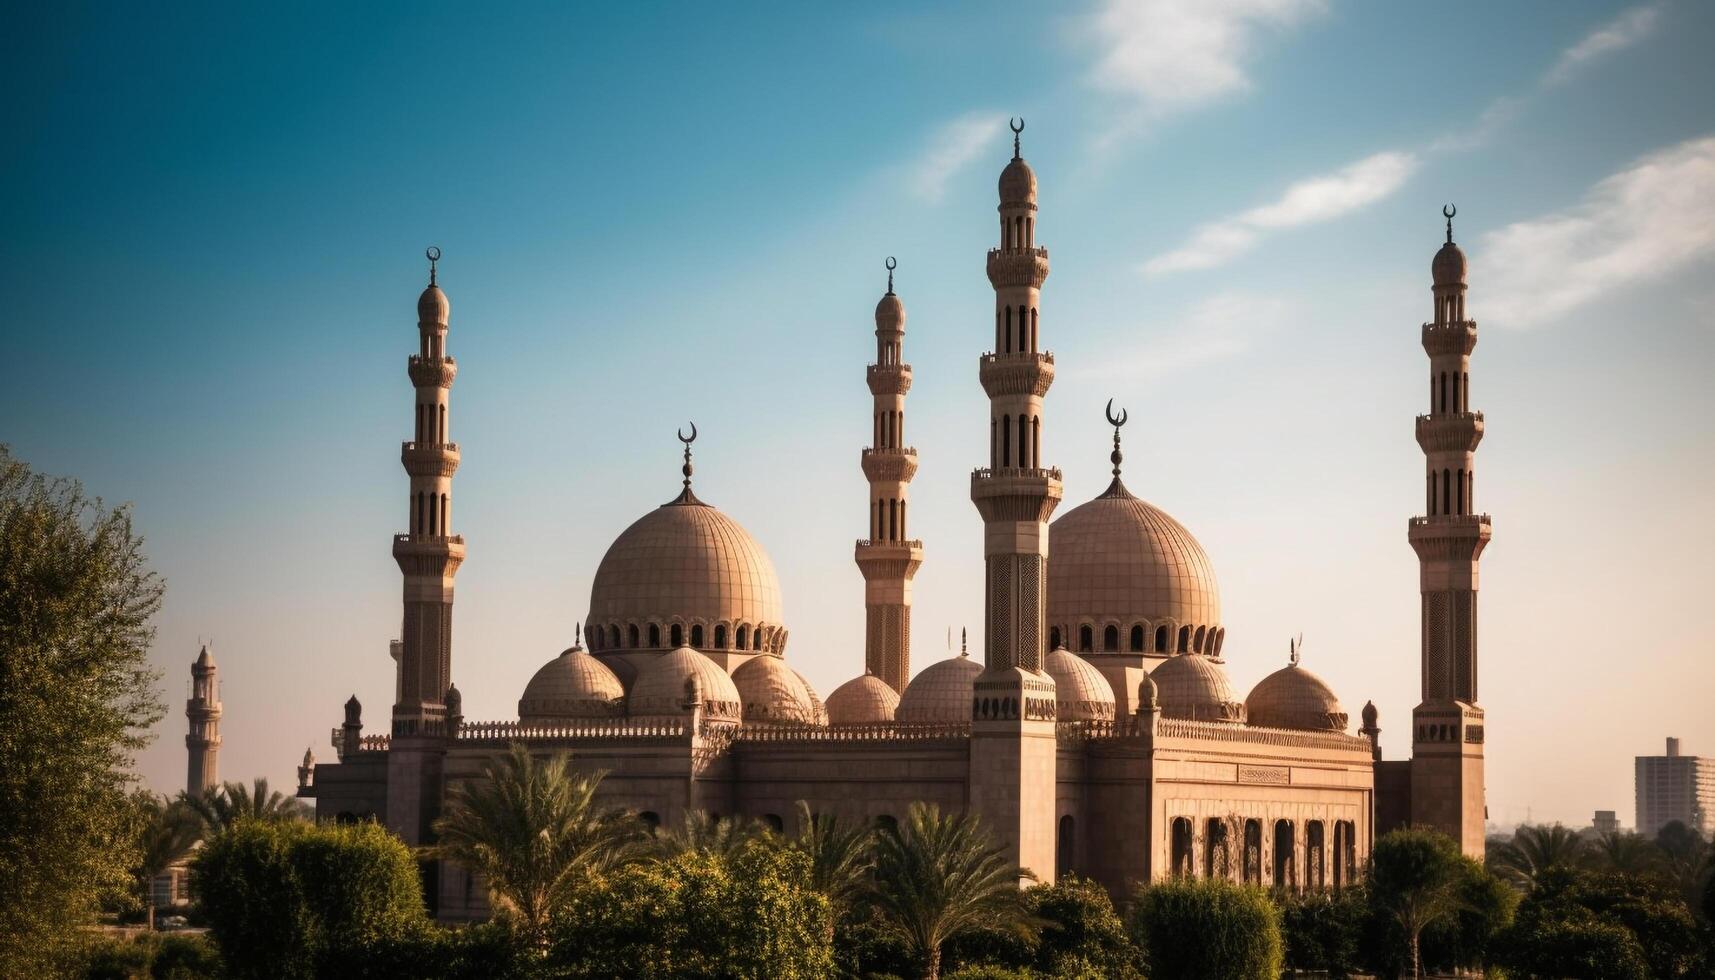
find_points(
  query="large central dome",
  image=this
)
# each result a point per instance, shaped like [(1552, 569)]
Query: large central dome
[(1124, 577), (686, 574)]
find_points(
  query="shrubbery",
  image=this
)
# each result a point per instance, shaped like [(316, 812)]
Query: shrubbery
[(151, 957), (1237, 931)]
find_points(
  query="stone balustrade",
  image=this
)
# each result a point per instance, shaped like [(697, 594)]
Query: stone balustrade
[(517, 731), (1215, 731), (879, 732)]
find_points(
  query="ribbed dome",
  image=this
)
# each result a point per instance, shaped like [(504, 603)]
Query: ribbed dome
[(890, 313), (773, 692), (1120, 561), (432, 306), (572, 685), (1080, 691), (661, 687), (686, 564), (941, 693), (1017, 183), (1293, 697), (865, 700), (1193, 686), (1448, 266)]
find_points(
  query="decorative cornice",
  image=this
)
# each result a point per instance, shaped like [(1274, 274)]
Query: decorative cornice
[(431, 372), (429, 458), (889, 465), (1458, 337), (1016, 374), (1018, 267), (1450, 432), (888, 379)]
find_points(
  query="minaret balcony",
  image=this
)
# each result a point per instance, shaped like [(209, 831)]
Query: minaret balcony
[(888, 379), (1022, 373), (432, 372), (1458, 337), (1449, 537), (1016, 493), (890, 465), (1018, 267), (888, 559), (429, 458), (1450, 432), (429, 554)]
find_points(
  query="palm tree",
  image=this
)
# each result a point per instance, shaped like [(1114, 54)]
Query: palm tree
[(169, 832), (531, 829), (840, 859), (220, 808), (940, 876), (1535, 850), (704, 833), (1626, 853), (1414, 877)]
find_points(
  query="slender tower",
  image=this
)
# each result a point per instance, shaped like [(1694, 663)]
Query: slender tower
[(203, 742), (1012, 728), (888, 558), (429, 555), (1447, 726)]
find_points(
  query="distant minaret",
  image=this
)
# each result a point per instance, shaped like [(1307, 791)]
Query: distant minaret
[(1013, 747), (429, 554), (203, 742), (888, 558), (1447, 727)]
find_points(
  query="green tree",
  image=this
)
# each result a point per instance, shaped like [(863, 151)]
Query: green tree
[(1190, 928), (219, 807), (748, 915), (1414, 881), (1081, 932), (77, 701), (286, 899), (1624, 852), (1534, 851), (702, 832), (531, 829), (841, 856), (938, 876), (1320, 930), (166, 834)]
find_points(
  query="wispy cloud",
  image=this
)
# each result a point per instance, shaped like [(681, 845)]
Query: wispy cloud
[(1213, 329), (1315, 199), (1622, 32), (1641, 224), (951, 148), (1167, 56)]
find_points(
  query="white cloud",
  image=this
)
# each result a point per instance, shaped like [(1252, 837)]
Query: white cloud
[(1641, 224), (1219, 327), (953, 146), (1622, 32), (1172, 55), (1309, 201)]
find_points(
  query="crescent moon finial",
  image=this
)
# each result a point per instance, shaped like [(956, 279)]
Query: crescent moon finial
[(892, 264), (433, 254), (1017, 126), (1448, 211), (1115, 422), (693, 437)]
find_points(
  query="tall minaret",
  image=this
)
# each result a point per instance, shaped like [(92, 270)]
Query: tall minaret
[(889, 557), (1012, 729), (203, 742), (429, 555), (1447, 727)]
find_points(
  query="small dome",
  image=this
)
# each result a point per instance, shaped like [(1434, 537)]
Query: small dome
[(1081, 692), (1449, 265), (205, 659), (941, 693), (1193, 687), (1369, 714), (890, 313), (773, 692), (1293, 697), (660, 688), (1148, 697), (865, 700), (572, 685), (432, 306), (1017, 184)]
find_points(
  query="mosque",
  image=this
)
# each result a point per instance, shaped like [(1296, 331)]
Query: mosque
[(1096, 732)]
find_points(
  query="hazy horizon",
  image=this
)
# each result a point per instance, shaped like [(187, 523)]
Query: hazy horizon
[(216, 221)]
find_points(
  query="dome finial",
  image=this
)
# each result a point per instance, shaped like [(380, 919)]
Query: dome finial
[(1448, 212), (1017, 126), (964, 651), (687, 496), (1116, 421), (892, 264), (1295, 649), (433, 254), (578, 634)]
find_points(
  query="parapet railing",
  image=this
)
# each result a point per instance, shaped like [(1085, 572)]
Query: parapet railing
[(1451, 519), (1227, 732), (520, 732), (429, 538), (1041, 250), (1096, 730), (1004, 472), (880, 732), (990, 357)]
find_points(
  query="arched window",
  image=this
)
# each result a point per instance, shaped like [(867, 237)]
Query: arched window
[(1446, 491), (1197, 639), (444, 507), (613, 636), (1284, 871), (1184, 639), (1315, 856), (1215, 857), (634, 635), (1161, 639), (1036, 442), (774, 822), (654, 635), (1444, 391), (1253, 852), (756, 639), (893, 520), (743, 636), (1008, 330), (1340, 868), (1137, 638), (442, 434), (1220, 640), (994, 445), (1054, 638), (1456, 391), (903, 534), (1461, 509), (1086, 639), (1465, 393), (678, 636), (1033, 330), (1063, 845), (1111, 639), (697, 636), (1006, 440), (997, 330), (1184, 860), (720, 636), (1023, 441)]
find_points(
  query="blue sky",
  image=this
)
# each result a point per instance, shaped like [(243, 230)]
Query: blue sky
[(213, 227)]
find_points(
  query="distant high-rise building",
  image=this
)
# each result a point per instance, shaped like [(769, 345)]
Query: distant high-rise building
[(1675, 787), (1606, 822)]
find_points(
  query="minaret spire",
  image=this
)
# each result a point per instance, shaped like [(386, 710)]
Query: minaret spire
[(685, 470), (202, 744), (888, 557), (1447, 746)]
